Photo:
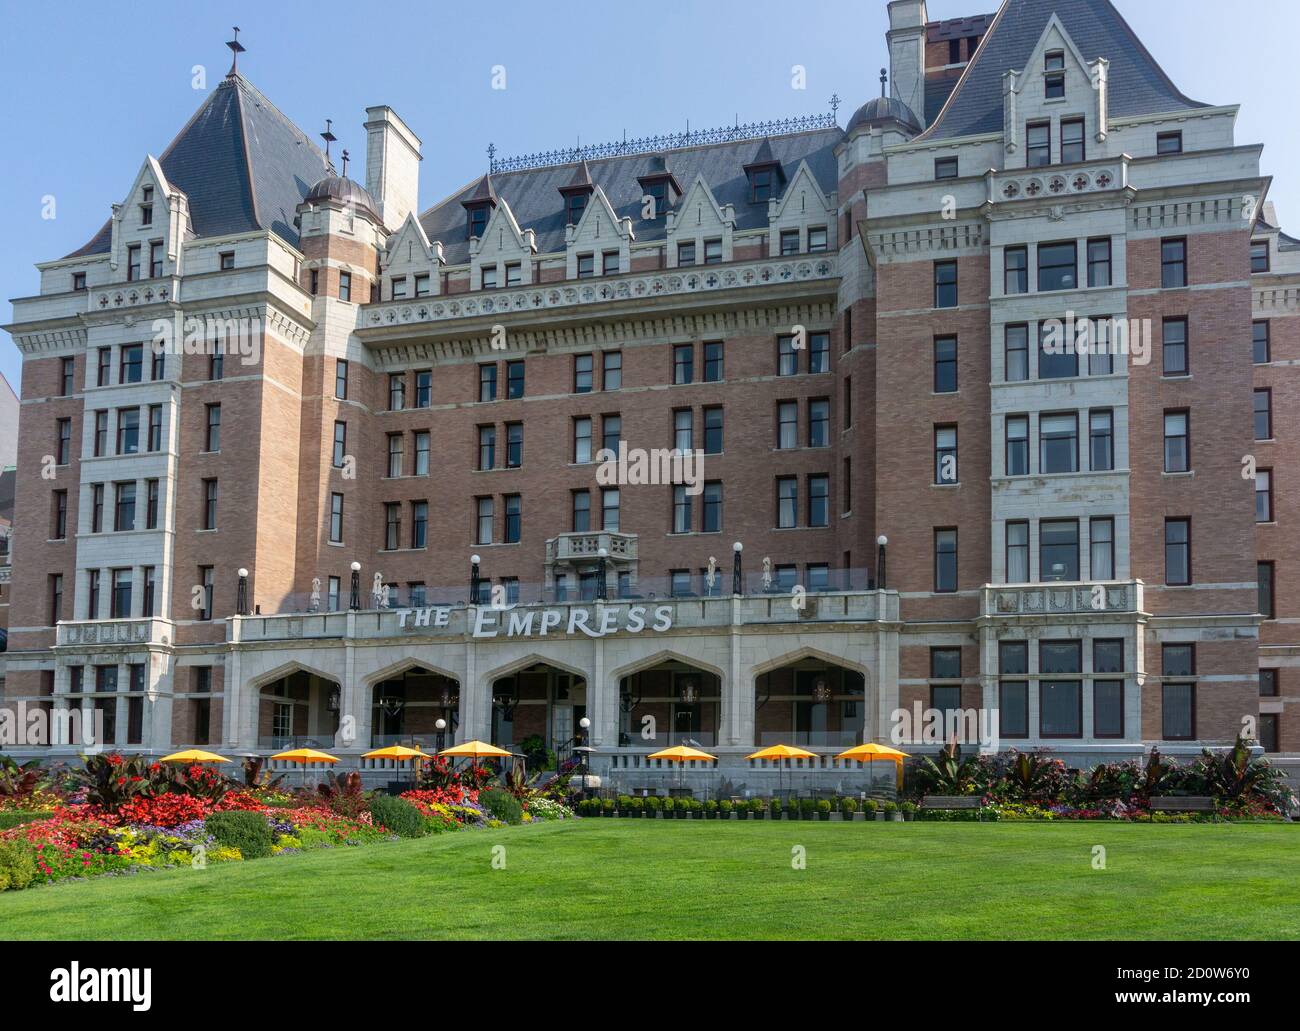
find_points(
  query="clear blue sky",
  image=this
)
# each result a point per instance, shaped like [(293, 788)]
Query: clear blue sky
[(89, 88)]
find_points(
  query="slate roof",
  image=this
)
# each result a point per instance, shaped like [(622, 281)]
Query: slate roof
[(1138, 85), (534, 194), (241, 162)]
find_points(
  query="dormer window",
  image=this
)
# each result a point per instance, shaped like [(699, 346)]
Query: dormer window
[(576, 205), (488, 277), (1169, 143), (760, 184), (78, 281), (514, 273), (658, 192), (1259, 256), (399, 287), (422, 284), (227, 260), (789, 241), (686, 253), (1054, 74), (586, 266), (133, 263), (146, 206), (713, 252), (478, 220), (817, 239)]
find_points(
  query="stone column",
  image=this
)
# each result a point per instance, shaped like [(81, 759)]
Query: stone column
[(737, 688)]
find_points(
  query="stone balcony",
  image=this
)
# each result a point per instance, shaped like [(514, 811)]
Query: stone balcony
[(583, 547), (1058, 182), (100, 633), (1100, 598)]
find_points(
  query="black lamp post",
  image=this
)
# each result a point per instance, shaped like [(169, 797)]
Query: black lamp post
[(602, 591), (474, 580), (354, 602), (881, 541), (737, 585), (441, 726), (241, 596)]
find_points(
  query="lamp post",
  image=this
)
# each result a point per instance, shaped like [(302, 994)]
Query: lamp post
[(602, 591), (585, 725), (737, 587), (441, 726), (354, 602), (241, 599), (881, 541), (473, 579)]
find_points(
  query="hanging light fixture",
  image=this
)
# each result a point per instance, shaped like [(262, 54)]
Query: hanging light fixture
[(688, 691), (821, 690)]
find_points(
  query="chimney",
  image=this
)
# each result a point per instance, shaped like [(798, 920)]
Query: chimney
[(392, 165), (906, 38)]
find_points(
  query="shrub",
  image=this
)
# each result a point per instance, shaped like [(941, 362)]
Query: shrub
[(848, 806), (775, 805), (109, 779), (344, 795), (17, 865), (669, 804), (711, 808), (891, 807), (725, 807), (17, 817), (824, 808), (607, 807), (869, 807), (908, 807), (635, 806), (402, 818), (807, 807), (238, 828), (757, 806)]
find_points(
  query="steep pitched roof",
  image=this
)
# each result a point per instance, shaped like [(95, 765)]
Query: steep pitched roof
[(1138, 85), (535, 199), (241, 162)]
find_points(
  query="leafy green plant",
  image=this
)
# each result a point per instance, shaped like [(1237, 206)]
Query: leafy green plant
[(536, 754), (725, 807), (400, 817), (110, 780), (1234, 777), (18, 781), (17, 865), (824, 809), (344, 795), (635, 806), (256, 778), (711, 809), (502, 804), (848, 807), (239, 828), (668, 804), (946, 773), (869, 807), (757, 808), (807, 807), (891, 808), (606, 806)]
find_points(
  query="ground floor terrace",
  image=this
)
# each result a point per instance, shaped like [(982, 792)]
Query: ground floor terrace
[(1040, 668)]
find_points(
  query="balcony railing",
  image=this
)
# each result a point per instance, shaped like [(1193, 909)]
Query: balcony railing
[(99, 632), (570, 546), (1075, 598)]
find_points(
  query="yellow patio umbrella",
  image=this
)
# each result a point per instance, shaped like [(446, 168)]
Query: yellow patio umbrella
[(193, 755), (779, 752), (681, 755), (476, 750), (871, 751), (304, 756), (398, 753)]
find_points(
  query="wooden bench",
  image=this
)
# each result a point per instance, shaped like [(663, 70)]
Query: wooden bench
[(952, 802), (1182, 804)]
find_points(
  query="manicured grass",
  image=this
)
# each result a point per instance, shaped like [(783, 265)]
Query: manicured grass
[(603, 878)]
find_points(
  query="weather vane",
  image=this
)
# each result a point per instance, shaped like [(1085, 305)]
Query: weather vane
[(835, 103), (236, 48), (492, 157), (328, 137)]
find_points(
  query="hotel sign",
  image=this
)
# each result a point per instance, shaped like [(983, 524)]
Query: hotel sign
[(488, 622)]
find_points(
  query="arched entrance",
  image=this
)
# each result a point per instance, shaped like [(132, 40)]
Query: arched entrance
[(537, 711), (811, 702), (299, 710), (406, 708), (670, 703)]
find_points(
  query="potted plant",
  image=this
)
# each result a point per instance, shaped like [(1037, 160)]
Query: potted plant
[(697, 809), (892, 813), (608, 807), (870, 809), (741, 809), (774, 806), (710, 810), (824, 809), (808, 808), (651, 806), (683, 808), (758, 808), (908, 809), (624, 804), (724, 809), (848, 808), (667, 805)]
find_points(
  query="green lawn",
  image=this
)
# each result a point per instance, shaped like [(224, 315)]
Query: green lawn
[(601, 878)]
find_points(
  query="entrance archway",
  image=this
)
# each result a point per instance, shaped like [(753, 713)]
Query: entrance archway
[(811, 702), (537, 711), (298, 710), (670, 703), (406, 708)]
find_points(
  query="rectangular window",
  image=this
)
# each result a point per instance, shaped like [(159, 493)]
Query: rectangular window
[(133, 263), (945, 168), (683, 363), (817, 239), (1264, 576), (1259, 256), (341, 379), (207, 579), (104, 366), (1177, 456), (1169, 143), (586, 266), (483, 521), (787, 424), (945, 454), (1174, 347), (582, 440), (1054, 75), (787, 358), (713, 430), (1038, 144), (124, 506), (581, 508), (713, 361), (612, 370), (424, 388), (1101, 362), (1178, 711), (1058, 550), (421, 452), (945, 560), (422, 284), (514, 445), (945, 365), (685, 253), (945, 284), (945, 663), (584, 377), (1017, 353), (345, 285), (487, 382), (712, 507), (396, 391), (681, 509), (819, 422), (1178, 552), (683, 429), (487, 447), (56, 603), (488, 277), (1101, 558), (396, 456), (1018, 552), (848, 402), (514, 507), (59, 515), (63, 453), (336, 518), (96, 508), (209, 504), (151, 504), (1099, 262), (1108, 708), (154, 442), (92, 594), (713, 252), (1268, 683), (789, 241), (131, 364), (1060, 701), (1173, 262), (1013, 661), (78, 281), (1263, 414), (339, 457), (1072, 142), (1015, 270), (1259, 342), (514, 379), (1057, 266), (787, 502), (128, 431), (819, 352), (67, 369), (1058, 443), (610, 502), (819, 501), (1263, 495), (157, 365), (609, 263), (119, 601), (1101, 440)]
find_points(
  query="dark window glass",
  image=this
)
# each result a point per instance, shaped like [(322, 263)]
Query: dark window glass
[(1058, 549), (1178, 551), (1173, 263), (1057, 266), (945, 284), (945, 365)]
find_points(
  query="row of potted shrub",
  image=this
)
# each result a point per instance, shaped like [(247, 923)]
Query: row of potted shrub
[(654, 806)]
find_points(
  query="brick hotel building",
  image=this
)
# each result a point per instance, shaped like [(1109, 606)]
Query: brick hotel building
[(852, 324)]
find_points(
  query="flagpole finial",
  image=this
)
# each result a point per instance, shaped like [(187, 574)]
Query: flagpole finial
[(236, 48)]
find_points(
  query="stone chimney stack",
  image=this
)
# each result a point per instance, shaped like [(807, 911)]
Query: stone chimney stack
[(906, 38), (392, 165)]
